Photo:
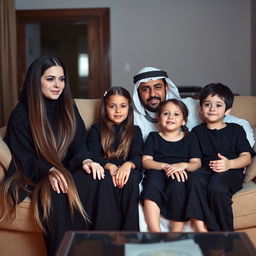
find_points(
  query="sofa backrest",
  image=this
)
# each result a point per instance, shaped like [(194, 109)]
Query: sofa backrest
[(89, 110), (244, 107)]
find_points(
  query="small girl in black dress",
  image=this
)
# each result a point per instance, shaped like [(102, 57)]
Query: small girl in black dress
[(225, 154), (167, 156), (116, 143)]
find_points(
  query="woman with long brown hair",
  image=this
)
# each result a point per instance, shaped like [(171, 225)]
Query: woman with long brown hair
[(50, 163)]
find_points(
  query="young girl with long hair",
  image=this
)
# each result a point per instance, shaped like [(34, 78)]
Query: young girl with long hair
[(46, 136), (116, 143), (167, 157)]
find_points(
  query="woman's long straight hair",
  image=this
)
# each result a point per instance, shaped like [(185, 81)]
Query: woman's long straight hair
[(107, 129), (50, 147)]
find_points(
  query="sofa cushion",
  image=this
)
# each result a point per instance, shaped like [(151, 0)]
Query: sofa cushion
[(22, 219), (250, 171), (244, 206)]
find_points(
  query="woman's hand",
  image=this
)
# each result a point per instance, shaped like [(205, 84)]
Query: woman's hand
[(57, 181), (95, 168)]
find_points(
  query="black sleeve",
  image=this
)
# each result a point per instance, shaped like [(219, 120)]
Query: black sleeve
[(19, 139), (136, 148), (148, 148), (194, 149), (94, 145), (78, 149)]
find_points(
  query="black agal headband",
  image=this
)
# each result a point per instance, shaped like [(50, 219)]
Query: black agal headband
[(149, 74)]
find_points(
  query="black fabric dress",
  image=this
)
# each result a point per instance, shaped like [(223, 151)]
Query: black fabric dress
[(117, 208), (169, 194), (210, 193), (19, 139)]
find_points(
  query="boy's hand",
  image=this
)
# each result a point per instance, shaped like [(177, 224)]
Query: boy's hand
[(221, 165)]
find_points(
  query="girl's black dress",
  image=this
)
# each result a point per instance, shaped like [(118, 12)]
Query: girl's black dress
[(117, 208), (170, 195), (210, 193), (35, 168)]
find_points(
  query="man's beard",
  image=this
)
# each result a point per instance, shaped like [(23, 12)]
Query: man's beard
[(148, 107)]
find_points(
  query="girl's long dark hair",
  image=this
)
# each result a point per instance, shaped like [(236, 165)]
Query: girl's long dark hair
[(49, 147), (107, 129)]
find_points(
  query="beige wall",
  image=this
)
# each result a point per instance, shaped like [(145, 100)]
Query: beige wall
[(253, 45), (196, 41)]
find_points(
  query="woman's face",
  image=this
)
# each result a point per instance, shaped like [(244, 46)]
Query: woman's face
[(53, 82)]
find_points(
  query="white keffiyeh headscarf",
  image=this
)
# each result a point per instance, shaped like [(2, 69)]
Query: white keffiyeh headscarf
[(150, 73), (141, 115)]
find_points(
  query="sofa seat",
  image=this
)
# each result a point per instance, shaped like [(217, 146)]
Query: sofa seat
[(244, 207)]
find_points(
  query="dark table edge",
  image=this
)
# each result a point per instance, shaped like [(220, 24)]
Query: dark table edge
[(66, 243), (68, 237)]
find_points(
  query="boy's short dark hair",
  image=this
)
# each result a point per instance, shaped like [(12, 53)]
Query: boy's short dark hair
[(220, 90)]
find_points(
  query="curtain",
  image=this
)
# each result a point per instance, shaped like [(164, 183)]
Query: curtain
[(8, 60)]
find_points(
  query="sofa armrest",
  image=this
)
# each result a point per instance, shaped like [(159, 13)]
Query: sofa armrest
[(2, 173), (5, 156)]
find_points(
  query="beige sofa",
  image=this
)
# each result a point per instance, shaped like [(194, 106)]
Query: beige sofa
[(20, 235)]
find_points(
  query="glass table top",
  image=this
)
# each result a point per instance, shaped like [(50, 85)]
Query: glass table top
[(80, 243)]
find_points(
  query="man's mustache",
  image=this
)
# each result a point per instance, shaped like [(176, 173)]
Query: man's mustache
[(154, 98)]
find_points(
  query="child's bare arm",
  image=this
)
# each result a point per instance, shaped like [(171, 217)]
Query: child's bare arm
[(224, 164), (149, 163), (194, 164)]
